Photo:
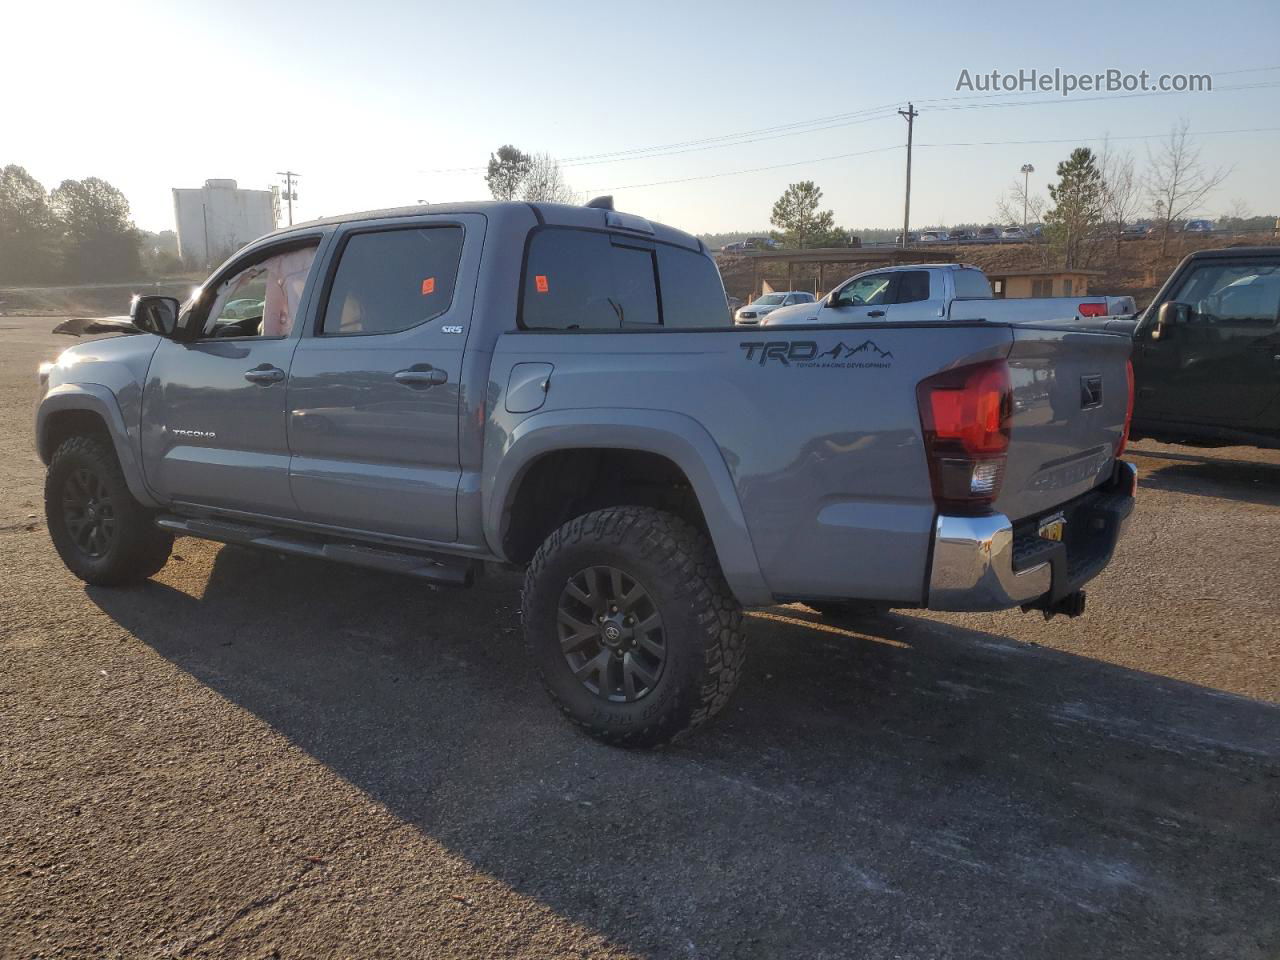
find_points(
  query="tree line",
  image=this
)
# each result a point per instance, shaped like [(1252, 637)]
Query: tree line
[(1096, 195), (1100, 194), (78, 231)]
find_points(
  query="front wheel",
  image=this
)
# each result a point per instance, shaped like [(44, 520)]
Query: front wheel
[(633, 630), (102, 533)]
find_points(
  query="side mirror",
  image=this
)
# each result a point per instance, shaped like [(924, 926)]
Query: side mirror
[(158, 315), (1169, 314)]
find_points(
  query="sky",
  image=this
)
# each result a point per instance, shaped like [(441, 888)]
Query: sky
[(390, 102)]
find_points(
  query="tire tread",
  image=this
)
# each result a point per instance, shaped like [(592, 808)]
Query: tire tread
[(693, 575)]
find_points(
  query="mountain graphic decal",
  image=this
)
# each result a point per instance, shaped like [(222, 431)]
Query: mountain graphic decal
[(871, 345), (842, 351)]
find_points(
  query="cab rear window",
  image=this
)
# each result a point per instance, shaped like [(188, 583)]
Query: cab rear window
[(972, 285), (591, 280)]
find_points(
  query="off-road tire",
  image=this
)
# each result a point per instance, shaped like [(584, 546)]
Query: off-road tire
[(702, 622), (137, 548)]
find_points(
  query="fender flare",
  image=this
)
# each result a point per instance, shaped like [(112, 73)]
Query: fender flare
[(677, 437), (97, 399)]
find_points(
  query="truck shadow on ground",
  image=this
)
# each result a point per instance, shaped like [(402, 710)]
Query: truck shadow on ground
[(900, 787), (1237, 480)]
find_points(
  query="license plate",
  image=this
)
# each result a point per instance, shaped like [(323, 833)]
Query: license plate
[(1052, 527)]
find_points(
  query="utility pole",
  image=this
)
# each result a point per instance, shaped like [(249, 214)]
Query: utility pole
[(289, 195), (910, 115), (1027, 171)]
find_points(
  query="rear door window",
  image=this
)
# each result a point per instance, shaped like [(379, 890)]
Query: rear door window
[(913, 286), (584, 280)]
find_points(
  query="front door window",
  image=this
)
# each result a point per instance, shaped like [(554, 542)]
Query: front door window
[(262, 299)]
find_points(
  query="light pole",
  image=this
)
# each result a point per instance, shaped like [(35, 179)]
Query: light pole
[(1027, 171)]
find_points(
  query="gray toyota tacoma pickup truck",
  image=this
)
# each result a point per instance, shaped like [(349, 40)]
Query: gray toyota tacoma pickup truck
[(428, 390)]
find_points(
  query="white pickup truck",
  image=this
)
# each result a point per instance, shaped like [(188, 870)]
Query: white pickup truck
[(934, 291)]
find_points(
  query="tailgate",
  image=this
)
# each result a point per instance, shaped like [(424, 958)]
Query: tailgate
[(1070, 396)]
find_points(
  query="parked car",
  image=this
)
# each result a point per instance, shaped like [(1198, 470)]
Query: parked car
[(934, 236), (244, 309), (749, 244), (464, 383), (1198, 226), (988, 235), (933, 292), (1013, 235), (1206, 358), (962, 235), (755, 312), (912, 237), (1136, 231)]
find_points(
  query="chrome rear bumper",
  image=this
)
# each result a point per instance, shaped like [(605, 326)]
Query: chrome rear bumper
[(973, 557)]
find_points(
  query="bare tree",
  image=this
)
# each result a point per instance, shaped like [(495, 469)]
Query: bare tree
[(545, 183), (1010, 207), (1121, 191), (1179, 180), (1237, 210)]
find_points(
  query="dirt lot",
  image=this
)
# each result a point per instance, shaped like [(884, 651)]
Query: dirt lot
[(254, 756)]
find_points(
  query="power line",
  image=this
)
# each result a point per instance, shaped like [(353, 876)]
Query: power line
[(835, 120), (1264, 84), (1134, 136), (866, 115), (884, 149), (734, 173)]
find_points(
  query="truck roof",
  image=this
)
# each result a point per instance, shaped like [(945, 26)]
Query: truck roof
[(1226, 252), (558, 214), (921, 266)]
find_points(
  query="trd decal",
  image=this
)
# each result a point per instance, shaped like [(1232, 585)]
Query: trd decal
[(806, 353)]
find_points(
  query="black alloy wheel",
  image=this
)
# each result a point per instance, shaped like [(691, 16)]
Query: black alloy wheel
[(611, 634), (89, 512)]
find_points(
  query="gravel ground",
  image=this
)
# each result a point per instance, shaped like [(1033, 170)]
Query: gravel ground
[(253, 756)]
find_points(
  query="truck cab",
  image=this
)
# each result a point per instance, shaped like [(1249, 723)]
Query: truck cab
[(1207, 351)]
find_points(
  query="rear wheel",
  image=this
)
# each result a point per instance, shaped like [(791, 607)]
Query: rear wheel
[(102, 533), (631, 626)]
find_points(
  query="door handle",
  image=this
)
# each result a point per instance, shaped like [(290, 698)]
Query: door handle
[(420, 376), (876, 313), (264, 375)]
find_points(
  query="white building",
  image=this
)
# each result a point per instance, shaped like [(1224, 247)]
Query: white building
[(219, 218)]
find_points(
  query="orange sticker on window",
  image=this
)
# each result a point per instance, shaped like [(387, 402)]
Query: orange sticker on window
[(540, 282), (428, 286)]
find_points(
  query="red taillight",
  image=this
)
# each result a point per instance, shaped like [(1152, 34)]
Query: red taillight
[(965, 414), (1128, 412), (1092, 309)]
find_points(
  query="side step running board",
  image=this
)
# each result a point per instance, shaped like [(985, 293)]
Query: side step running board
[(448, 571)]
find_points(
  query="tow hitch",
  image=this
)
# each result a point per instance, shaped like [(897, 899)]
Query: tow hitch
[(1072, 605)]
